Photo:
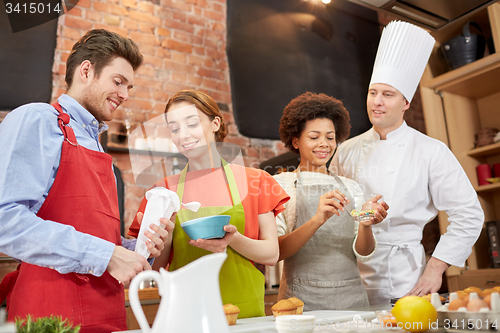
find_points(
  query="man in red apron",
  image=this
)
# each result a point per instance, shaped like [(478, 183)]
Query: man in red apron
[(58, 204)]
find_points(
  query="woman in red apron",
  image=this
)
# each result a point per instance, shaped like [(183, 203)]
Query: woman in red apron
[(251, 197)]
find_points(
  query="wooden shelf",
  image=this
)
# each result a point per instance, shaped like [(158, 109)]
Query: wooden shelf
[(475, 80), (488, 188), (488, 150)]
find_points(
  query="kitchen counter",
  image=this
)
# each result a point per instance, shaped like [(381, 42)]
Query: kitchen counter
[(326, 322), (329, 320)]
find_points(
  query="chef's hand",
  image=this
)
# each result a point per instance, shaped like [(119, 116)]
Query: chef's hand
[(126, 264), (431, 279), (381, 211), (216, 245), (157, 240), (330, 204)]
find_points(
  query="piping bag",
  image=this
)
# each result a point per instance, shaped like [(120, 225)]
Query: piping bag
[(162, 202)]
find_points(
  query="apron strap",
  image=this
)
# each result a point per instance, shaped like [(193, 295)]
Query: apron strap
[(407, 250), (63, 121)]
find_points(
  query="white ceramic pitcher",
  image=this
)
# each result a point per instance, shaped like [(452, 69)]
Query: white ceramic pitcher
[(190, 298)]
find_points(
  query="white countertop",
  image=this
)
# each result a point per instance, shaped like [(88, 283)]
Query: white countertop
[(326, 321)]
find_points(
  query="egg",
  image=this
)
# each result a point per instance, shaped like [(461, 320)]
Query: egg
[(487, 299), (466, 298), (476, 304), (457, 303)]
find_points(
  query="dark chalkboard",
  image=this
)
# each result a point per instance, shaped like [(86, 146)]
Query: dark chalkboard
[(280, 49), (26, 59)]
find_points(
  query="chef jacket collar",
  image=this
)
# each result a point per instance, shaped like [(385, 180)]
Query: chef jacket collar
[(392, 136), (83, 117)]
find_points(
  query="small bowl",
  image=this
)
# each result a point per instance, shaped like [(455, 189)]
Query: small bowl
[(206, 227), (295, 323), (386, 319), (362, 216)]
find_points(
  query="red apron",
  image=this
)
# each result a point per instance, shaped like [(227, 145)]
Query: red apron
[(84, 196)]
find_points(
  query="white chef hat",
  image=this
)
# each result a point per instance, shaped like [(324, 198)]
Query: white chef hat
[(402, 54)]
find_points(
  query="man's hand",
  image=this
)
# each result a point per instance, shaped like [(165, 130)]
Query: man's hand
[(431, 279), (126, 264), (216, 245), (158, 239)]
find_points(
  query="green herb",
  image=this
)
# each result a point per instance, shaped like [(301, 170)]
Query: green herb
[(50, 324)]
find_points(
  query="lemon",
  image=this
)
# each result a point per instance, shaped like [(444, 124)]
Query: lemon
[(414, 314)]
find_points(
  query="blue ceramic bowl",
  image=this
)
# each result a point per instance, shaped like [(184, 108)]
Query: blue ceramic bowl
[(206, 227)]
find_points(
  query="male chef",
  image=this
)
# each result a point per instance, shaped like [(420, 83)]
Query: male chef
[(417, 176), (58, 200)]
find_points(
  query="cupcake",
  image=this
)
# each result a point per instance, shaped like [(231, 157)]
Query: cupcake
[(461, 294), (472, 290), (231, 312), (429, 297), (298, 303), (284, 307), (486, 292)]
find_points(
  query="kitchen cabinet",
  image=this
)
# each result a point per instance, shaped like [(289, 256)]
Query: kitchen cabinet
[(457, 104), (270, 298)]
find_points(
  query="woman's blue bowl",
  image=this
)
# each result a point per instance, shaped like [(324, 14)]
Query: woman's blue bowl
[(206, 227)]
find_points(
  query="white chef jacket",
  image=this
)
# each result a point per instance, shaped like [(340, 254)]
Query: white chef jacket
[(417, 176)]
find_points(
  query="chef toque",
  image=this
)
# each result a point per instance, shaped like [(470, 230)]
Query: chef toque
[(402, 55)]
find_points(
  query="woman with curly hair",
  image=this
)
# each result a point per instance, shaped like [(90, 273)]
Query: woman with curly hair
[(318, 239)]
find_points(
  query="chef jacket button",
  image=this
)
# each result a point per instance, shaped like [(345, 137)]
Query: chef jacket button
[(93, 122), (51, 267), (83, 125), (91, 272)]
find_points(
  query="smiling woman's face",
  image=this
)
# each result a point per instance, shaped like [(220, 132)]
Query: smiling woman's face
[(190, 129)]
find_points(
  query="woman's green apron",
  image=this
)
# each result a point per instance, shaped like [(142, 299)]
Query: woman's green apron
[(240, 282)]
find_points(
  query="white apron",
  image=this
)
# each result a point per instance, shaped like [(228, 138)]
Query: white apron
[(386, 275)]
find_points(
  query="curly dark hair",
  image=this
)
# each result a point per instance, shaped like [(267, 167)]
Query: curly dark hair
[(310, 106)]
